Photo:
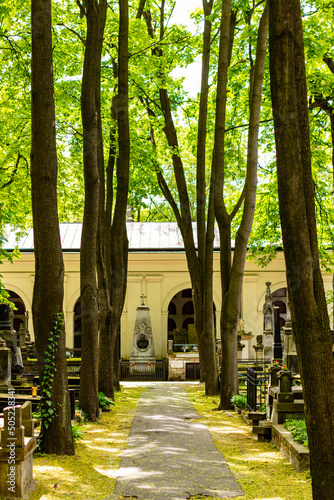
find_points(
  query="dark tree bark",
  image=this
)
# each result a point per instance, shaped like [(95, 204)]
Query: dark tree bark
[(49, 267), (200, 265), (90, 112), (232, 272), (112, 248), (104, 262), (297, 211), (119, 239)]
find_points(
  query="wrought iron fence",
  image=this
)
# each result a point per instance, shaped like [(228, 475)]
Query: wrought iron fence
[(257, 383), (141, 371)]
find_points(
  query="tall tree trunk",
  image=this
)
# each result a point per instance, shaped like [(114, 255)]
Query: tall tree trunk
[(49, 268), (205, 221), (88, 398), (297, 211), (232, 273), (119, 239), (200, 266), (104, 268)]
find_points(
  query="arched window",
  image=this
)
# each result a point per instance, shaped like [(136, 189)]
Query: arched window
[(172, 308), (281, 305), (188, 308), (171, 325), (187, 321), (19, 312)]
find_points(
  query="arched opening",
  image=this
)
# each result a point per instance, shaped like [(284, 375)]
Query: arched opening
[(188, 321), (19, 312), (181, 327), (280, 299), (188, 308), (181, 319)]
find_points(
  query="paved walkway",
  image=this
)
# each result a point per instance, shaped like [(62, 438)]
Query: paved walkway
[(170, 454)]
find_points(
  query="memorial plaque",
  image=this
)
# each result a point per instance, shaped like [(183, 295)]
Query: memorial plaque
[(176, 363)]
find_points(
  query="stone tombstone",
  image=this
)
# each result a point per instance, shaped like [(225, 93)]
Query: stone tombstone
[(259, 347), (180, 336), (285, 380), (268, 320), (290, 353), (5, 366), (170, 347), (21, 336), (142, 344), (240, 347), (268, 323)]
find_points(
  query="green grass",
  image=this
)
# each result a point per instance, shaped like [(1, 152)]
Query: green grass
[(260, 469), (262, 472)]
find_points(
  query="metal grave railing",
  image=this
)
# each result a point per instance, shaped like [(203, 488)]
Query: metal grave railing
[(141, 370), (257, 383)]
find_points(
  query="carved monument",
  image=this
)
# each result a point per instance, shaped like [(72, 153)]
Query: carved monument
[(142, 353), (268, 323)]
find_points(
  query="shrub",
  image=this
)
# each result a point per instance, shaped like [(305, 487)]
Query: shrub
[(105, 402), (239, 400), (77, 433), (263, 407), (298, 431)]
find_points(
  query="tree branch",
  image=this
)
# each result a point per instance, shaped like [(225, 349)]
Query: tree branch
[(13, 173), (74, 32)]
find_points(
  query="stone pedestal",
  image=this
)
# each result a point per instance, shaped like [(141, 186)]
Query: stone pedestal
[(16, 453), (282, 399), (259, 348), (292, 362), (170, 347), (240, 347), (5, 368), (7, 336), (267, 345), (183, 366), (142, 353)]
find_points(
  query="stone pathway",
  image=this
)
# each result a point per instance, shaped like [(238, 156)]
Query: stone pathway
[(170, 454)]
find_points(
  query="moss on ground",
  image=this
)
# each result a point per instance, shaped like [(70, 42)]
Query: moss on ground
[(260, 469)]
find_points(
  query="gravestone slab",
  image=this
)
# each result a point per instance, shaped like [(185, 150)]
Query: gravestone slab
[(143, 351)]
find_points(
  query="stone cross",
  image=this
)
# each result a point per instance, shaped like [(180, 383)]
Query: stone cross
[(143, 297)]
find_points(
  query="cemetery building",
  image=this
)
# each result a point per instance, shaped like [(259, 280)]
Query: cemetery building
[(157, 272)]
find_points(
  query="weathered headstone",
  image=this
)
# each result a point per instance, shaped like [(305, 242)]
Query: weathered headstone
[(268, 323), (258, 348), (5, 366), (142, 352)]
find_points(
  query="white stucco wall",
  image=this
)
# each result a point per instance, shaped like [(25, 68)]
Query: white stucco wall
[(159, 275)]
